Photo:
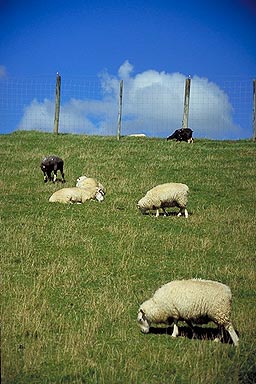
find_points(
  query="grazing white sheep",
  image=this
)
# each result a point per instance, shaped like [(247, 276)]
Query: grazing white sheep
[(75, 195), (85, 182), (163, 196), (194, 301)]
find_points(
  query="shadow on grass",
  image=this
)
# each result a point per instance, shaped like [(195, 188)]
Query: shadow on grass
[(198, 334), (57, 181), (172, 213)]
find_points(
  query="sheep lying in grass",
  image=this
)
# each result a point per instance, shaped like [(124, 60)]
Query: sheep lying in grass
[(182, 134), (75, 195), (137, 135), (163, 196), (89, 182), (194, 301), (52, 164)]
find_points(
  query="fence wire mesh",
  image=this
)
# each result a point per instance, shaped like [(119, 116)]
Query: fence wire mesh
[(152, 104)]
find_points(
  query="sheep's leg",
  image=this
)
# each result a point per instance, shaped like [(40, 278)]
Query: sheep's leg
[(189, 323), (62, 175), (165, 212), (232, 334), (49, 175), (45, 177), (157, 212), (183, 210), (220, 336), (175, 332)]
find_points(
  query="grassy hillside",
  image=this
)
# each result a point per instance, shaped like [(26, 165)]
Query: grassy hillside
[(74, 275)]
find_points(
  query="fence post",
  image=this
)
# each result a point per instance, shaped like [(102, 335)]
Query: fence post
[(120, 110), (186, 103), (57, 105), (254, 111)]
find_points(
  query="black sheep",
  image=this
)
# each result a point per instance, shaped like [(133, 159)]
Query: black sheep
[(52, 164), (182, 134)]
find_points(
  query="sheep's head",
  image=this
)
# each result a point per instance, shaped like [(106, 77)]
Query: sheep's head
[(142, 206), (142, 210), (144, 323)]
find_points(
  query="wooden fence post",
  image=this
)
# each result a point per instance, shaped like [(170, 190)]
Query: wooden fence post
[(254, 111), (120, 110), (57, 105), (186, 103)]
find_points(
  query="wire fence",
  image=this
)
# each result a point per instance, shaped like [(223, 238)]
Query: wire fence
[(152, 105)]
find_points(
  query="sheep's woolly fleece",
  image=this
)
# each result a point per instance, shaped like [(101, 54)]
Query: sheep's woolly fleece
[(193, 301), (89, 182), (74, 195), (164, 196)]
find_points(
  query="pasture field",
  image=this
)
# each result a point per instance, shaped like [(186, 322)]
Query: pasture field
[(73, 276)]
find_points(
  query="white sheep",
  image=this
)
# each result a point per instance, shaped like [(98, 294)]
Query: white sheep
[(75, 195), (137, 135), (195, 301), (163, 196), (85, 182)]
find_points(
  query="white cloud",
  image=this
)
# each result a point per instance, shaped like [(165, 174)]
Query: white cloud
[(152, 104), (125, 70), (39, 116)]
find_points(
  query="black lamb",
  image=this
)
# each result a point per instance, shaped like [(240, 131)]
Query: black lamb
[(52, 164)]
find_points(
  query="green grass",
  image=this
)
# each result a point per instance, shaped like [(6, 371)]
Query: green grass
[(74, 275)]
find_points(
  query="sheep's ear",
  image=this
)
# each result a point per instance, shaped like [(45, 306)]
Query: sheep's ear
[(140, 315), (143, 315)]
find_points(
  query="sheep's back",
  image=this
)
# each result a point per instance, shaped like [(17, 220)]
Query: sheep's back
[(75, 194), (168, 194), (87, 183), (50, 161), (168, 189), (195, 298)]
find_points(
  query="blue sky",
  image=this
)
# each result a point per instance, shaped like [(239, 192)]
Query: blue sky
[(136, 39)]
